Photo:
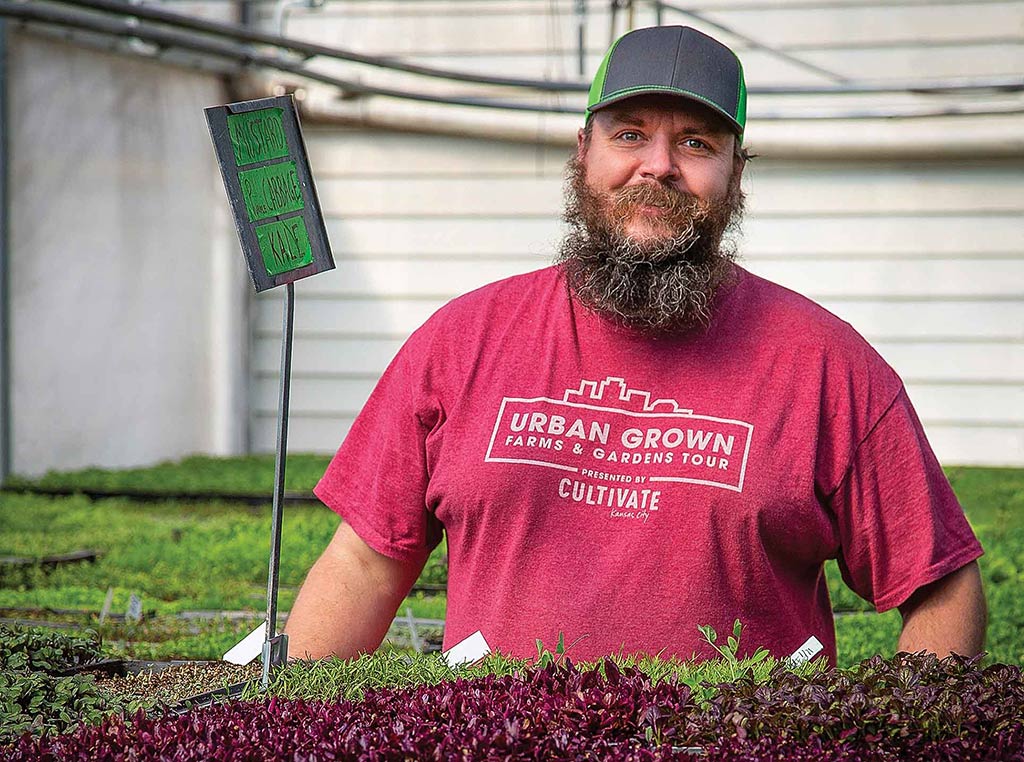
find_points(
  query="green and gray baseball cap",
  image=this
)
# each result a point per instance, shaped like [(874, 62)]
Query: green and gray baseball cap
[(676, 60)]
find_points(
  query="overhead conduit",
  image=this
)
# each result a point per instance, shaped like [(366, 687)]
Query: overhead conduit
[(534, 109)]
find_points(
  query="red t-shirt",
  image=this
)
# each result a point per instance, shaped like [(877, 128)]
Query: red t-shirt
[(623, 489)]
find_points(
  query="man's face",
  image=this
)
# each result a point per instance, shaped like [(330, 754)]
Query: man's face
[(657, 141), (650, 193)]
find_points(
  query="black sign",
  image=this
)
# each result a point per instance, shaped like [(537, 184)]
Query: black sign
[(266, 175)]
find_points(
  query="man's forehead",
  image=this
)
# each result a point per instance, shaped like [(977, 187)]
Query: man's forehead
[(648, 108)]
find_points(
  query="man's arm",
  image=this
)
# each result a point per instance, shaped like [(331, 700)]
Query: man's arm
[(949, 615), (348, 600)]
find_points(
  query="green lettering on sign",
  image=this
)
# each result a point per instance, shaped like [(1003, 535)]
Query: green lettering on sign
[(271, 190), (284, 245), (257, 136)]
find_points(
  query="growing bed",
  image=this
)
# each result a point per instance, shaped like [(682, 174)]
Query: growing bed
[(907, 707), (199, 565)]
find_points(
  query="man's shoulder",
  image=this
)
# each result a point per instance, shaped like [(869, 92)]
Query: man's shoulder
[(780, 307), (500, 295), (779, 322), (476, 317), (773, 315)]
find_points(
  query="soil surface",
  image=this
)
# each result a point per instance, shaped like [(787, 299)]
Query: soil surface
[(174, 684)]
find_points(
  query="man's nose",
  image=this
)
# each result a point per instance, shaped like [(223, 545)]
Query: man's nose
[(658, 162)]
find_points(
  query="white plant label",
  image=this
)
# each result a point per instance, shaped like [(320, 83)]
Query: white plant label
[(107, 603), (472, 649), (134, 609), (811, 648), (249, 647)]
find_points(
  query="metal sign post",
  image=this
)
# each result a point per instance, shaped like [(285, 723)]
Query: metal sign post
[(275, 647), (281, 229)]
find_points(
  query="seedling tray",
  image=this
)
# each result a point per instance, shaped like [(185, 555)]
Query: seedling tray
[(125, 667)]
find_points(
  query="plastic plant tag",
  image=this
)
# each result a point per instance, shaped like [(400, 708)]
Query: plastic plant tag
[(134, 613), (107, 603), (275, 654), (417, 644), (811, 648), (249, 647), (470, 650)]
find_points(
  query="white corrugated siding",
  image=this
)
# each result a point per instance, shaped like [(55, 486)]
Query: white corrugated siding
[(925, 259)]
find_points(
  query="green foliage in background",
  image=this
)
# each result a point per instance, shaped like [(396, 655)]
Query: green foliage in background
[(47, 651), (39, 703), (197, 474), (176, 556), (34, 699), (173, 554), (993, 499), (180, 556)]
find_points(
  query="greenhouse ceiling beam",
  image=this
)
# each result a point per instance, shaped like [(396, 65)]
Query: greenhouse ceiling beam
[(815, 5), (310, 50), (755, 44), (737, 5), (307, 50), (165, 39)]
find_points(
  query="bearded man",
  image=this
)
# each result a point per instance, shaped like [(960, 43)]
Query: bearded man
[(644, 438)]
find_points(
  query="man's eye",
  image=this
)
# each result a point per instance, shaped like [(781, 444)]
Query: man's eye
[(695, 143), (629, 136)]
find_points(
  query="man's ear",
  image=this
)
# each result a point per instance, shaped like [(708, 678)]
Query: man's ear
[(581, 143), (739, 163)]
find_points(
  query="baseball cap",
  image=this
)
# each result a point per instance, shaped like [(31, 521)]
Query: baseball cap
[(676, 60)]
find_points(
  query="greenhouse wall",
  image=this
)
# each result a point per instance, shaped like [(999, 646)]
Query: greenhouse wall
[(127, 294), (135, 333)]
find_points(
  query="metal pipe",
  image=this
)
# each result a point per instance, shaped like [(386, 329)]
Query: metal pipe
[(309, 50), (246, 18), (5, 238), (819, 5), (755, 44), (288, 329), (925, 139), (581, 30), (281, 13), (247, 57)]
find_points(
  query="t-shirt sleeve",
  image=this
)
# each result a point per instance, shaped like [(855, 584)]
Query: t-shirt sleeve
[(377, 481), (899, 522)]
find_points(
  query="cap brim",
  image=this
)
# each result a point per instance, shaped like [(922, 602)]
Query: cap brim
[(633, 93)]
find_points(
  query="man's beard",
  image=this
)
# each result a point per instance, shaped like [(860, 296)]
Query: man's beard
[(660, 284)]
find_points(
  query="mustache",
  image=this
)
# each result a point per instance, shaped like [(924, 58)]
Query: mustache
[(675, 202), (682, 213)]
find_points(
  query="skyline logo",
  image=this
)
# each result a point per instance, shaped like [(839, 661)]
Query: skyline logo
[(607, 430)]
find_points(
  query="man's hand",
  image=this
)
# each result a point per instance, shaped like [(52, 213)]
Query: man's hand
[(348, 600), (947, 616)]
